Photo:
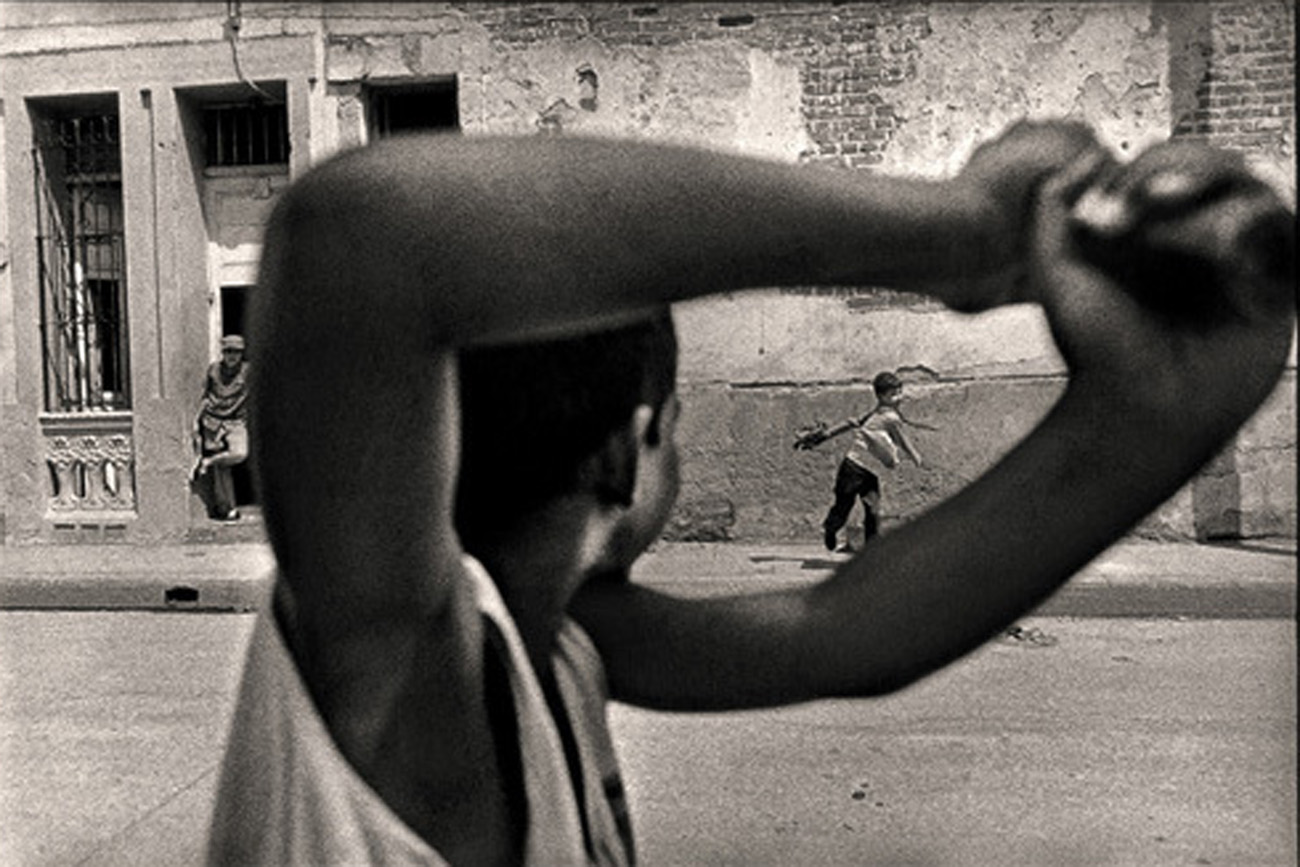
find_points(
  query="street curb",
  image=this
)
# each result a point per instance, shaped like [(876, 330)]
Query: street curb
[(1133, 579), (216, 578), (134, 593)]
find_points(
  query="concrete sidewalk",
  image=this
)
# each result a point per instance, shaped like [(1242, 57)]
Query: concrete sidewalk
[(1132, 579), (1254, 579)]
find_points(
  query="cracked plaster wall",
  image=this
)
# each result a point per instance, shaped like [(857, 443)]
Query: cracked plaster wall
[(901, 87), (911, 90)]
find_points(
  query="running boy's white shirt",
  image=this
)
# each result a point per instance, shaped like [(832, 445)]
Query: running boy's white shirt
[(288, 797), (878, 437)]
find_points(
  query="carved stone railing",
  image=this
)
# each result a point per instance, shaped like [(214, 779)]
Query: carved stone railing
[(91, 462)]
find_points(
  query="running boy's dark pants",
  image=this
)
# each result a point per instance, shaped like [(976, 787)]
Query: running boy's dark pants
[(852, 482)]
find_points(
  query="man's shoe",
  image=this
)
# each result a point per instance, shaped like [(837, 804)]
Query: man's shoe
[(829, 538)]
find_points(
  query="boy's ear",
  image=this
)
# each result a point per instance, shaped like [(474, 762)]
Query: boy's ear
[(611, 472)]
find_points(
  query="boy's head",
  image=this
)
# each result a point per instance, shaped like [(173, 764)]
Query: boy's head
[(543, 419), (888, 387)]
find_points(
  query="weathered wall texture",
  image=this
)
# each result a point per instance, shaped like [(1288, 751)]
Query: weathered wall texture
[(894, 87)]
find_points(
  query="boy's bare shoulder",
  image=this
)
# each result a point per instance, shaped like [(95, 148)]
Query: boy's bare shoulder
[(884, 417), (371, 677)]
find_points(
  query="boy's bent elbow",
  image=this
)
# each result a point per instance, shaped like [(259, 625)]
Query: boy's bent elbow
[(339, 274)]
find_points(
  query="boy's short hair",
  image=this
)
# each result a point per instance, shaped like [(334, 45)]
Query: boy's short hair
[(531, 413), (886, 381)]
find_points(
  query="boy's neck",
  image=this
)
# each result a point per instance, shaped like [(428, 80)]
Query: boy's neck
[(537, 568)]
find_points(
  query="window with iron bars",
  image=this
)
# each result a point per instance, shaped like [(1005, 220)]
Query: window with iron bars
[(81, 263), (248, 134)]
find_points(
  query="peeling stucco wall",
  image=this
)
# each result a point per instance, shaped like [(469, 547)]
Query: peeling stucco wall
[(905, 87), (983, 66)]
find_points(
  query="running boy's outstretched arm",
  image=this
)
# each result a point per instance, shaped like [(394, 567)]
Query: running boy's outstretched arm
[(812, 437), (919, 425), (900, 436)]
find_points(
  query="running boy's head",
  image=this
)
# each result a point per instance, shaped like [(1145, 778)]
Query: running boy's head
[(587, 415), (888, 387)]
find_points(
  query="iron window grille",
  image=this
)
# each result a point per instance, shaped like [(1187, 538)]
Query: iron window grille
[(81, 262), (248, 134)]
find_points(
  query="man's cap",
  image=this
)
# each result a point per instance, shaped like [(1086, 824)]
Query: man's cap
[(232, 341), (886, 381)]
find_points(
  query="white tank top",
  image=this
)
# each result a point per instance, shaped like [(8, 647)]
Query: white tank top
[(288, 797)]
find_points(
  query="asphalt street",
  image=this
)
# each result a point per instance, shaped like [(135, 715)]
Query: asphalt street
[(1148, 719), (1119, 742)]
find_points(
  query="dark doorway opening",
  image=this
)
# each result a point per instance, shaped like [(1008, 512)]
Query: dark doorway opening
[(234, 306)]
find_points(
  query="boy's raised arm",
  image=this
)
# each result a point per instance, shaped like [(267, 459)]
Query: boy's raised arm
[(1151, 397), (378, 264)]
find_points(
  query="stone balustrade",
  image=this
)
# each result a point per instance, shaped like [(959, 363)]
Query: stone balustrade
[(91, 461)]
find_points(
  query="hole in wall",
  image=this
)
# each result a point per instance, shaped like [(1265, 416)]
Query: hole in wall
[(173, 595), (743, 20)]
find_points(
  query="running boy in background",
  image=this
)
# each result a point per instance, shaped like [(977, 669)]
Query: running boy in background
[(878, 434), (403, 704)]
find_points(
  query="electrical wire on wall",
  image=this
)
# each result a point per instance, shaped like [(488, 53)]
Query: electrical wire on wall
[(234, 20)]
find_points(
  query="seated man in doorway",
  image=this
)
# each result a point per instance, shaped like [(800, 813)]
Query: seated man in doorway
[(220, 433)]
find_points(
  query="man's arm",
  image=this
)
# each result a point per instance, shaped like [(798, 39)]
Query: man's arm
[(1148, 402), (204, 402)]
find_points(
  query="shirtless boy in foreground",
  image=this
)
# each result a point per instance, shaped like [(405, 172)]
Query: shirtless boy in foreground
[(400, 706)]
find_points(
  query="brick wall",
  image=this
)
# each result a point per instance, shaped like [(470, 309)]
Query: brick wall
[(847, 53), (851, 53), (1240, 65), (1245, 98)]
